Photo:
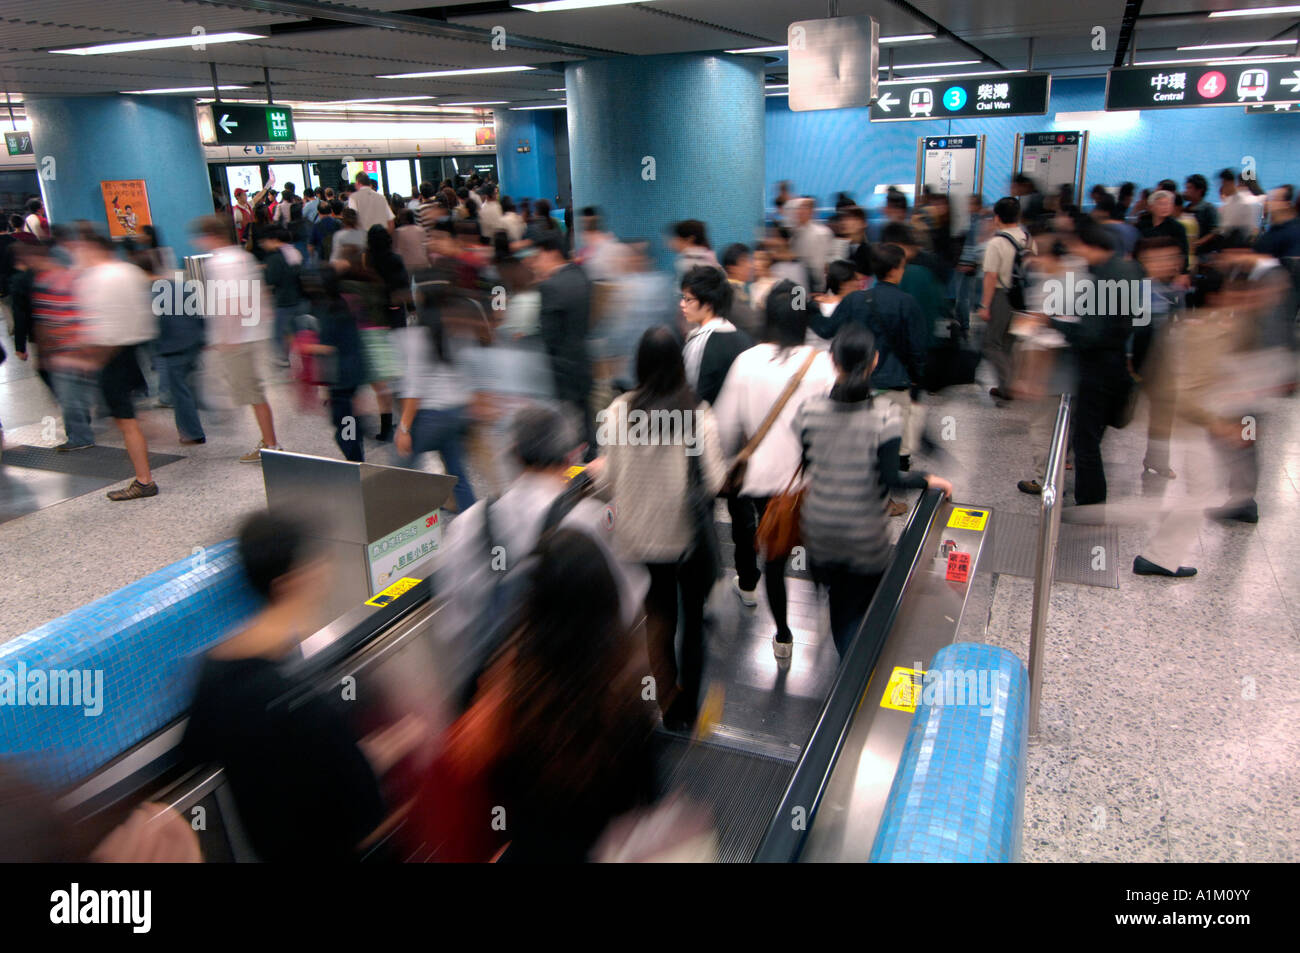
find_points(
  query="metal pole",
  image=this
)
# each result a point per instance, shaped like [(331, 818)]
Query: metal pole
[(891, 63), (10, 103), (1029, 65), (266, 75), (1049, 527), (216, 87), (1083, 168)]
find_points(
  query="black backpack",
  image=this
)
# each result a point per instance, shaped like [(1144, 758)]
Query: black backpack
[(504, 609), (1016, 293)]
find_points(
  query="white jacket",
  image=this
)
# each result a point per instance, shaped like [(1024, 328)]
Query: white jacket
[(756, 379)]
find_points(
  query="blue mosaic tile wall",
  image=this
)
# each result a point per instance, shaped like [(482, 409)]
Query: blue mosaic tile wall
[(827, 151), (958, 795), (700, 117), (531, 174), (146, 639)]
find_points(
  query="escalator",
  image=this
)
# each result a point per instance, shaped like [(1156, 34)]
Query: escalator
[(817, 795)]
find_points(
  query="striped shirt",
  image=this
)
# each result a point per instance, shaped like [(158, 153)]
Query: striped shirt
[(60, 325), (843, 518)]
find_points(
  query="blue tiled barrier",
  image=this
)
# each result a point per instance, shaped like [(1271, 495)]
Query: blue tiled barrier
[(146, 639), (959, 791)]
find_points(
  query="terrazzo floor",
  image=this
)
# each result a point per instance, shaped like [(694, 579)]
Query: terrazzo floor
[(1171, 716)]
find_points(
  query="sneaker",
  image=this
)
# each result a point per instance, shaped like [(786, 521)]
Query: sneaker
[(134, 491), (1030, 486), (782, 648), (255, 455), (1165, 472), (68, 446), (746, 596), (1145, 567), (898, 508), (680, 716), (192, 441)]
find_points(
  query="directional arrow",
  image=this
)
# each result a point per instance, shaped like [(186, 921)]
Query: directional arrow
[(225, 123), (887, 100), (1292, 81)]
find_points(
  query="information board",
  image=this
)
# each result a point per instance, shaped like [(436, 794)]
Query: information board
[(403, 550), (1177, 87), (1023, 94), (1051, 159), (950, 164)]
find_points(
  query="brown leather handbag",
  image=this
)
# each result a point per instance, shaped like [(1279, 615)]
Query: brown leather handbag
[(736, 475), (778, 530)]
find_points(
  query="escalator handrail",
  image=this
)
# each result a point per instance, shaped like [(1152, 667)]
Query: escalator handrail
[(783, 842)]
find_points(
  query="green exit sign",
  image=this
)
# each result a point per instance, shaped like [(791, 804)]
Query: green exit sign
[(18, 143), (245, 124)]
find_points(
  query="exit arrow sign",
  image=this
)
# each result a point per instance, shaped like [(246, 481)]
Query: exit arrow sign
[(245, 124), (887, 100)]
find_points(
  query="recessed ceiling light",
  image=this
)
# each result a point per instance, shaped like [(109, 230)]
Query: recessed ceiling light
[(553, 6), (1257, 12), (1225, 61), (377, 99), (457, 72), (177, 89), (557, 89), (1234, 46), (517, 109), (934, 65), (163, 43), (905, 38), (495, 102), (933, 79)]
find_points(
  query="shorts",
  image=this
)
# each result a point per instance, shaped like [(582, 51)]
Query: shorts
[(242, 373), (119, 379)]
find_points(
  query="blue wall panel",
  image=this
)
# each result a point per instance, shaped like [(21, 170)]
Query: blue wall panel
[(526, 175), (828, 151), (700, 117), (94, 138)]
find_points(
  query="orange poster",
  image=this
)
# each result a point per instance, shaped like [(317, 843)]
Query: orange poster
[(127, 205)]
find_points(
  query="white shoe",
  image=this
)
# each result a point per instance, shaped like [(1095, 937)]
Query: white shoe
[(746, 596), (782, 649)]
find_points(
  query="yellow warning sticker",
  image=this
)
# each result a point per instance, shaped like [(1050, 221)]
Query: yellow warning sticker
[(572, 472), (903, 690), (966, 518), (385, 596)]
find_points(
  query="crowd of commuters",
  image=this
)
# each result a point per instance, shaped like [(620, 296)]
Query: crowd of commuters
[(800, 360)]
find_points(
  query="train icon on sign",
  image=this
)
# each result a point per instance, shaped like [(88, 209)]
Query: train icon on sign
[(921, 102), (1253, 84)]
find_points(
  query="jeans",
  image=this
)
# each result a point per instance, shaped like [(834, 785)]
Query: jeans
[(77, 392), (443, 431), (850, 596), (745, 516), (345, 418), (966, 291), (177, 378), (286, 323)]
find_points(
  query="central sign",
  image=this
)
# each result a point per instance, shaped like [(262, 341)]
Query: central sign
[(1023, 94), (240, 124), (1177, 87)]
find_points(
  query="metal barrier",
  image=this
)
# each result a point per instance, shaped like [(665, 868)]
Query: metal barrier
[(1049, 530)]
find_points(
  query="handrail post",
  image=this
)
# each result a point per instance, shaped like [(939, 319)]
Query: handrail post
[(1049, 527)]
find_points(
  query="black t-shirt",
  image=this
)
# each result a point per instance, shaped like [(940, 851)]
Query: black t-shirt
[(1170, 228), (303, 788)]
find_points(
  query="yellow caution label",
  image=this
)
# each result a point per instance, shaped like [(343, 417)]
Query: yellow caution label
[(385, 596), (966, 518), (710, 712), (572, 472), (903, 690)]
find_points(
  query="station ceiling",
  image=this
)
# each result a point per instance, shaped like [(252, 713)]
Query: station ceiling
[(318, 52)]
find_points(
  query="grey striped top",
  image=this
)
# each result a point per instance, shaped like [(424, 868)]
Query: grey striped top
[(844, 518)]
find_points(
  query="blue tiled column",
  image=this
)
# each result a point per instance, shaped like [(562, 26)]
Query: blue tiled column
[(531, 174), (698, 116), (94, 138)]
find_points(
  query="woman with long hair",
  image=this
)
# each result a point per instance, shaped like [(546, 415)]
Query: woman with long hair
[(850, 460), (755, 385), (662, 461)]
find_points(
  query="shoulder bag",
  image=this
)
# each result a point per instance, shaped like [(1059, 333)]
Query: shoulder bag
[(736, 475)]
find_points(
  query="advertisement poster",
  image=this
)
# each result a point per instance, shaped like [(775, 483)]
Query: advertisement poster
[(403, 551), (126, 203)]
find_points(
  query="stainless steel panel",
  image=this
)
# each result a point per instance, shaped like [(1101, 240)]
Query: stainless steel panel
[(833, 63), (848, 817)]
